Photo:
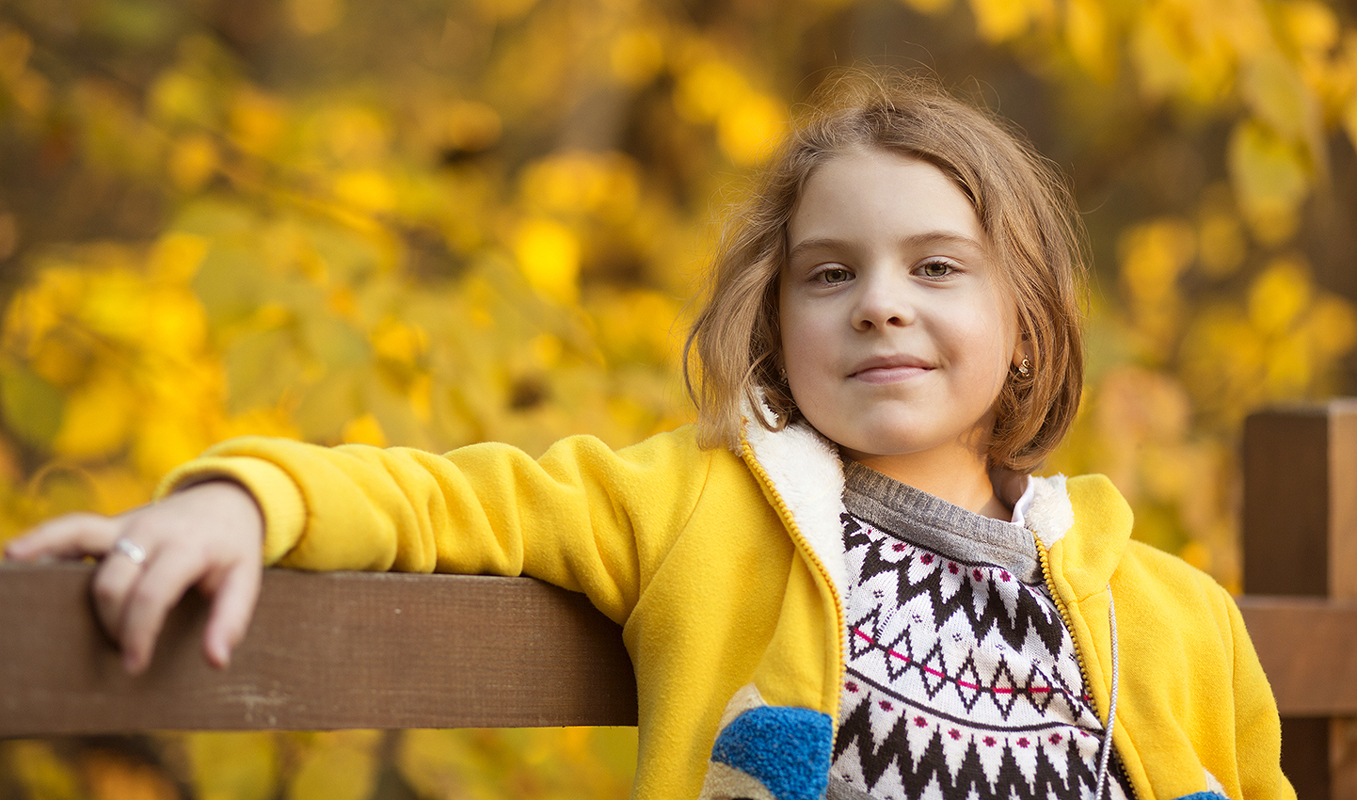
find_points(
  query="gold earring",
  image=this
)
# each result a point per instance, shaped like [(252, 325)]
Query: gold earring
[(1025, 368)]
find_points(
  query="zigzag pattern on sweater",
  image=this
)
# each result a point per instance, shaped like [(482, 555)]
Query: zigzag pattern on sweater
[(947, 595), (952, 762), (962, 681)]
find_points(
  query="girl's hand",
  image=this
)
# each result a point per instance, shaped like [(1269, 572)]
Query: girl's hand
[(208, 536)]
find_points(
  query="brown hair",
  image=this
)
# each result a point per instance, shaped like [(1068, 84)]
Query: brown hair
[(1024, 209)]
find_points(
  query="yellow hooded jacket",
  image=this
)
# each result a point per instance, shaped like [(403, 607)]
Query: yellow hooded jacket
[(725, 571)]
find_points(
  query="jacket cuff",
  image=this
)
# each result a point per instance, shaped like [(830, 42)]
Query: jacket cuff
[(280, 500)]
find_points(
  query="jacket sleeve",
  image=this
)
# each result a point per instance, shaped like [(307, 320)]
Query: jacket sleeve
[(582, 516), (1258, 733)]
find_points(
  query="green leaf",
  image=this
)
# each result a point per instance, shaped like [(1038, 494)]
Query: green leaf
[(32, 406), (328, 405), (227, 283), (334, 341), (259, 368)]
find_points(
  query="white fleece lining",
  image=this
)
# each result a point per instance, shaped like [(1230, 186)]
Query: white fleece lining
[(1051, 514), (805, 470)]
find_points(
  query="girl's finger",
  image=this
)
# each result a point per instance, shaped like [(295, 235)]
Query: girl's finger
[(167, 575), (112, 583), (231, 611), (71, 536)]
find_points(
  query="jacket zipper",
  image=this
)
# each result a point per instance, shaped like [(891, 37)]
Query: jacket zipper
[(1078, 653), (799, 539)]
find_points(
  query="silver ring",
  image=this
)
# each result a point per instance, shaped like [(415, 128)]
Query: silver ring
[(134, 552)]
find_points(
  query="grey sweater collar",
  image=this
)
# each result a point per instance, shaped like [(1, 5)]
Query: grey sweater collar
[(937, 525)]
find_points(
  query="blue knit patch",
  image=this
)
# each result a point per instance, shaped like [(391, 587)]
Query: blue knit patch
[(1204, 796), (785, 749)]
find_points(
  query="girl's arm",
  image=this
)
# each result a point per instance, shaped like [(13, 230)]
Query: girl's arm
[(582, 517), (206, 536)]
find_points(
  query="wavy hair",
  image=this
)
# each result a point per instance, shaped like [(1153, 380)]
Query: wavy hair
[(733, 358)]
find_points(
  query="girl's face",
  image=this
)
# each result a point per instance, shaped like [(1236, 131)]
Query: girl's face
[(897, 333)]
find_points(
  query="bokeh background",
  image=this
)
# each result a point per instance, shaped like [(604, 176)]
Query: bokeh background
[(431, 223)]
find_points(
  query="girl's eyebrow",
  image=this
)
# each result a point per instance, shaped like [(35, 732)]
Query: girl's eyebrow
[(917, 240)]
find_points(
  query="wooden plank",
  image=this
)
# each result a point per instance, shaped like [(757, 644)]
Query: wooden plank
[(1308, 648), (325, 651), (1342, 566), (1286, 489), (1300, 538)]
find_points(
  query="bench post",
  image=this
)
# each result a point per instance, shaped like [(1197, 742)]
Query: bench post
[(1300, 538)]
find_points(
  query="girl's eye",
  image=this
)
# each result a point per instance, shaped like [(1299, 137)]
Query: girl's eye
[(835, 275), (936, 269)]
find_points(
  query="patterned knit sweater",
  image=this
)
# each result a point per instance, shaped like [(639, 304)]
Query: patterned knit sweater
[(962, 682)]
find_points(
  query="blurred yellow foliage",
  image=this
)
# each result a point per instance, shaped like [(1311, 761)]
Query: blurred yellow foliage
[(430, 225), (40, 773), (549, 254)]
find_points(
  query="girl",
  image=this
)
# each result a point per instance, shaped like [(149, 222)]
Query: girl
[(841, 582)]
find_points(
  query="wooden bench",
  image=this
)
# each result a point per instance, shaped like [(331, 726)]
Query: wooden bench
[(362, 650)]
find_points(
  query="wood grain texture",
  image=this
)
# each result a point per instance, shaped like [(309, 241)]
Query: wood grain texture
[(364, 650), (1285, 518), (325, 651), (1308, 648)]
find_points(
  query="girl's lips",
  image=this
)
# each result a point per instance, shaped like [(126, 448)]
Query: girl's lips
[(889, 373)]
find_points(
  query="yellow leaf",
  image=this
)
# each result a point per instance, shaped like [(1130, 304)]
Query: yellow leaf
[(567, 183), (357, 135), (399, 341), (636, 56), (549, 255), (336, 766), (162, 443), (38, 771), (1086, 31), (310, 17), (368, 189), (179, 97), (1279, 294), (1279, 97), (707, 89), (1223, 246), (364, 430), (176, 256), (1178, 53), (472, 126), (192, 161), (232, 766), (97, 417), (1270, 178), (258, 121), (1001, 20), (748, 130), (1332, 326), (1153, 255), (1312, 25)]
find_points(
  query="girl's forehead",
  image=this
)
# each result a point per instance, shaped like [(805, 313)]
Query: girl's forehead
[(874, 191)]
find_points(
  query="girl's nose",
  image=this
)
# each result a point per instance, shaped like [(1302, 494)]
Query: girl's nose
[(883, 303)]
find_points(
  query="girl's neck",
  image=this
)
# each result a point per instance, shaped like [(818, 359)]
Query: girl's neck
[(959, 479)]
